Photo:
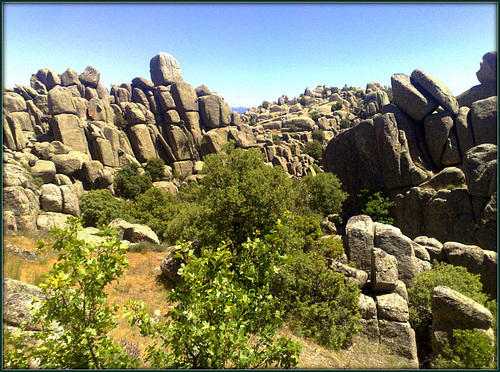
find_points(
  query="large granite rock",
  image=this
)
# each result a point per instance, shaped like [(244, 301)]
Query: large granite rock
[(384, 271), (60, 101), (214, 111), (437, 131), (359, 239), (164, 69), (437, 90), (90, 77), (134, 232), (142, 144), (484, 120), (69, 130), (488, 68), (184, 96), (480, 168)]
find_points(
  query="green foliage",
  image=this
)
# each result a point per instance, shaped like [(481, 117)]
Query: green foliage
[(375, 205), (129, 183), (277, 139), (238, 195), (156, 168), (303, 100), (293, 128), (337, 105), (315, 116), (345, 123), (323, 193), (225, 317), (100, 207), (265, 104), (388, 90), (75, 303), (38, 182), (156, 208), (470, 349), (454, 277), (321, 305), (318, 134), (314, 149), (252, 123)]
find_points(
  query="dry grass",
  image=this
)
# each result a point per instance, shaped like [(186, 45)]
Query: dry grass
[(139, 283)]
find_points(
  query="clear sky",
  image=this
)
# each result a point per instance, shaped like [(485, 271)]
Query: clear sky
[(252, 52)]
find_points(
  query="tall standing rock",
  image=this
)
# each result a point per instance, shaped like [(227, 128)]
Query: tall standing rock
[(436, 89), (488, 68), (69, 130), (164, 69)]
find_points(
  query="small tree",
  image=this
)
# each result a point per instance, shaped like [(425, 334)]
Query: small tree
[(314, 149), (100, 207), (156, 168), (345, 123), (375, 205), (323, 193), (265, 104), (225, 317), (319, 135), (73, 314), (315, 116), (129, 182)]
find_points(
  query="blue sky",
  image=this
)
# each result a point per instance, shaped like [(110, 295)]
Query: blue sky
[(252, 52)]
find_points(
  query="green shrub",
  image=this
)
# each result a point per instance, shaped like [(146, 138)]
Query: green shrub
[(156, 168), (323, 193), (388, 90), (319, 302), (156, 208), (345, 123), (265, 104), (76, 302), (303, 100), (375, 205), (337, 105), (223, 301), (252, 123), (318, 134), (315, 116), (470, 349), (442, 274), (293, 128), (129, 183), (277, 139), (314, 149), (100, 207)]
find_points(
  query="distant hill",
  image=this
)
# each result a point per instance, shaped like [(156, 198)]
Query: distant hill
[(239, 110)]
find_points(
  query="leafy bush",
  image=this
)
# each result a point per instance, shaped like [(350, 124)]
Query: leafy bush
[(454, 277), (293, 128), (345, 123), (319, 302), (277, 139), (323, 193), (315, 116), (314, 149), (76, 303), (337, 105), (388, 90), (129, 183), (265, 104), (318, 134), (375, 205), (471, 349), (252, 123), (156, 168), (225, 317), (303, 100), (100, 207), (238, 195)]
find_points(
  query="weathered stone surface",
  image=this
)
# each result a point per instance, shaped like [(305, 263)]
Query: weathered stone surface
[(17, 301), (214, 111), (400, 337), (46, 150), (183, 168), (203, 90), (51, 198), (166, 186), (141, 142), (171, 117), (392, 241), (47, 220), (394, 155), (24, 203), (21, 252), (142, 83), (139, 96), (480, 168), (451, 155), (384, 271), (392, 306), (91, 171), (70, 131), (90, 77), (374, 101), (452, 310), (105, 152), (476, 93), (13, 102), (488, 68), (367, 307), (421, 253), (134, 114), (179, 142), (451, 177), (14, 134), (170, 266), (484, 120), (164, 69), (302, 122), (69, 77), (16, 175), (245, 138), (449, 216), (437, 131), (436, 89), (356, 276), (60, 101), (70, 200), (464, 130), (359, 241), (70, 163), (21, 120), (48, 77), (184, 96), (192, 122), (134, 232), (213, 141)]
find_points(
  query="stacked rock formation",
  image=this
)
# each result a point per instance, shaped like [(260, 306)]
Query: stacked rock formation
[(435, 154)]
